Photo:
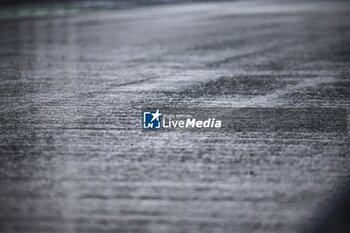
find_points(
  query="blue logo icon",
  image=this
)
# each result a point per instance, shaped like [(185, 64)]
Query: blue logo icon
[(151, 120)]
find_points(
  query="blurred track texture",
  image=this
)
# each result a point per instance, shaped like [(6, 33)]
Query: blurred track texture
[(74, 158)]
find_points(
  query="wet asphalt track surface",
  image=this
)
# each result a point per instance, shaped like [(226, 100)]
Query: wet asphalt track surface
[(73, 157)]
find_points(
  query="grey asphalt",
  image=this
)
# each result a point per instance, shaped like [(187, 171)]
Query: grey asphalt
[(74, 157)]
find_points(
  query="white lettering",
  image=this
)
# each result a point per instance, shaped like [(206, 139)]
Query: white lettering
[(190, 123)]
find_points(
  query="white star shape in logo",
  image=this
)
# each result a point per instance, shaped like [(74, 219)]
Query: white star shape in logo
[(155, 115)]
